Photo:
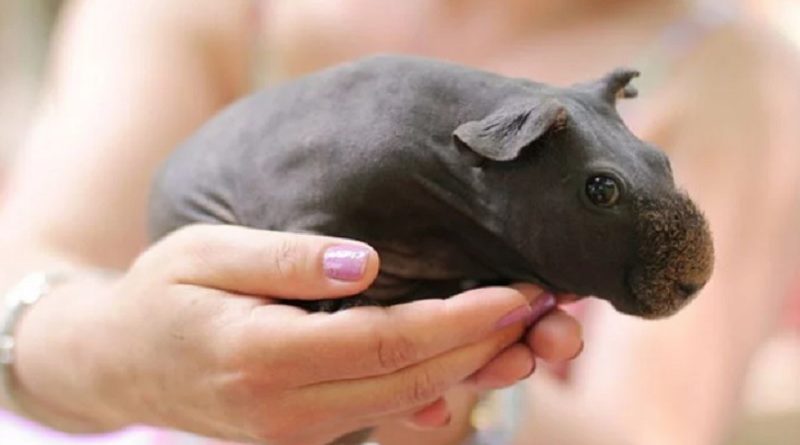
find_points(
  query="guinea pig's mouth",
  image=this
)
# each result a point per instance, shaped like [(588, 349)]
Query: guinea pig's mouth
[(675, 257), (652, 304)]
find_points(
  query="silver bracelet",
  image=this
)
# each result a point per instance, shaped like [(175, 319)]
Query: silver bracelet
[(23, 295)]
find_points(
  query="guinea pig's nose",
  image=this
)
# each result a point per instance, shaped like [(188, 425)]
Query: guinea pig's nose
[(688, 289)]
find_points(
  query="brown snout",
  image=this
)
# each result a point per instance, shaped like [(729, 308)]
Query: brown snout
[(675, 255)]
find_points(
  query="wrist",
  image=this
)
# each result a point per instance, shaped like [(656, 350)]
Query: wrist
[(58, 377)]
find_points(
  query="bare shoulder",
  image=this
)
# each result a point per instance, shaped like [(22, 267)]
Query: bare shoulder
[(741, 54), (174, 14), (154, 22), (123, 34), (735, 81)]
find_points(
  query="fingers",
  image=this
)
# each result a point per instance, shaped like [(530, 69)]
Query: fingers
[(513, 364), (258, 262), (410, 387), (434, 415), (556, 337), (370, 341)]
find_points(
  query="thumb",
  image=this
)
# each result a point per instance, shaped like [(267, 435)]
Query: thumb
[(260, 262)]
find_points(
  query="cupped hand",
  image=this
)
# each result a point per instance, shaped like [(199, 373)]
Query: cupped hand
[(191, 338)]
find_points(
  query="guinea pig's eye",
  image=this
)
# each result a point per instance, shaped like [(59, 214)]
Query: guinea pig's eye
[(602, 190)]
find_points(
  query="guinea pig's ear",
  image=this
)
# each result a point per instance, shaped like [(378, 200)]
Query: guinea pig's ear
[(614, 85), (502, 135)]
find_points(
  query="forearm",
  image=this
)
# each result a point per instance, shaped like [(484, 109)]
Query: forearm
[(127, 83)]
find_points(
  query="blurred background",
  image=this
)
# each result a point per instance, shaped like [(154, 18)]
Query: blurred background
[(25, 28), (771, 392)]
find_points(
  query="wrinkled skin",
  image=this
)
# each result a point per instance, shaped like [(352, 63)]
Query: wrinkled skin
[(456, 176)]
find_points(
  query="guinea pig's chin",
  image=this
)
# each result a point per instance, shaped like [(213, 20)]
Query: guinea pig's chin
[(651, 306), (627, 306), (631, 305)]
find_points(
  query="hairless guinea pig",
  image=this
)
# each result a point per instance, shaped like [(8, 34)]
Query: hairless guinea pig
[(457, 177)]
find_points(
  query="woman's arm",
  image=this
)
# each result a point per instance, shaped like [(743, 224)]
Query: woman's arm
[(128, 81)]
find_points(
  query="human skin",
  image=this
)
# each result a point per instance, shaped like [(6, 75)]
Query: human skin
[(207, 331), (114, 325)]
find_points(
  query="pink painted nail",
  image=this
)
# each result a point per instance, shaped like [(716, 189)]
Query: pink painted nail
[(345, 262), (544, 304), (517, 315)]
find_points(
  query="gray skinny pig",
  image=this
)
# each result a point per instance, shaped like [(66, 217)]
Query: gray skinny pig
[(457, 177)]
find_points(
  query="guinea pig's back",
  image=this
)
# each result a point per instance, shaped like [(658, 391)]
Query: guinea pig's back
[(281, 158), (253, 151)]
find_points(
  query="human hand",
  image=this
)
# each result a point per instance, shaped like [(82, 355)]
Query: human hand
[(555, 337), (190, 338)]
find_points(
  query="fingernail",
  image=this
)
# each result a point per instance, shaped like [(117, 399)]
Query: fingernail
[(345, 262), (530, 373), (580, 349), (544, 304), (517, 315)]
